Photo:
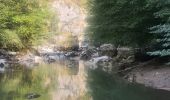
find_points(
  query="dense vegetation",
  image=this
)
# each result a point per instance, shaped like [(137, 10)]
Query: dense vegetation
[(23, 23), (162, 31), (129, 22)]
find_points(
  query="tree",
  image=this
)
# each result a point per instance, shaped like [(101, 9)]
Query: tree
[(123, 22), (163, 40), (162, 31)]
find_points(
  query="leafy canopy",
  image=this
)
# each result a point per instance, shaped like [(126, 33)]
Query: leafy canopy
[(124, 22)]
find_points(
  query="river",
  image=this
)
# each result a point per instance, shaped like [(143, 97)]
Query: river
[(71, 80)]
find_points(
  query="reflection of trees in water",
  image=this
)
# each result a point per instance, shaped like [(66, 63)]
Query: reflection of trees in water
[(63, 80), (14, 85), (105, 86)]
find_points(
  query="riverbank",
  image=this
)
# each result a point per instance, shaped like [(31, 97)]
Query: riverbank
[(71, 80), (155, 76), (106, 56)]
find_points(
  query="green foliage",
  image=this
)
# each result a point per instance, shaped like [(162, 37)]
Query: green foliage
[(23, 22), (9, 39), (162, 31), (163, 40), (124, 22)]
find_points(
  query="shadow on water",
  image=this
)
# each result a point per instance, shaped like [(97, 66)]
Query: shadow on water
[(108, 87)]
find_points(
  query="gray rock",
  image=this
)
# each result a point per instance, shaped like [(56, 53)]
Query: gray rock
[(53, 58), (3, 52), (29, 60), (95, 55), (2, 65), (83, 47), (107, 47), (32, 96), (71, 54), (104, 62), (102, 59), (87, 54), (126, 54), (108, 50)]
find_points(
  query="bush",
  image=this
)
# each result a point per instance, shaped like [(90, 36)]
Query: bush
[(9, 39), (23, 23)]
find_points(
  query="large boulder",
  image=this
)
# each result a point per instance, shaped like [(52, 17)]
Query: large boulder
[(108, 50), (103, 62), (87, 54), (125, 57)]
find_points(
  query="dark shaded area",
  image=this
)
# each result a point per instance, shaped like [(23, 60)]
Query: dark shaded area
[(108, 87), (141, 55)]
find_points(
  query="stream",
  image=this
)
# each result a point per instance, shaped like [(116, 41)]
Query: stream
[(71, 80), (67, 79)]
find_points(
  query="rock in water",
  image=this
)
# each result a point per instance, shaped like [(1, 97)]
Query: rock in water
[(2, 65), (32, 96), (104, 62), (71, 54), (102, 59)]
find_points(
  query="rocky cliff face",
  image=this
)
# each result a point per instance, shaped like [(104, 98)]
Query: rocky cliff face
[(71, 20)]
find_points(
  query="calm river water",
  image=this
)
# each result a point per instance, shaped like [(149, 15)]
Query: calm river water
[(71, 80)]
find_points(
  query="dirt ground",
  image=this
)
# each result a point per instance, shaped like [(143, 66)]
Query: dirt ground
[(152, 76)]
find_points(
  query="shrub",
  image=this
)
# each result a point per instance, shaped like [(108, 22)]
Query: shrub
[(23, 22)]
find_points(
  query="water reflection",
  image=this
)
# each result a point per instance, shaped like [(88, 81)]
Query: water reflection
[(108, 87), (63, 80), (71, 80), (71, 86), (14, 85)]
